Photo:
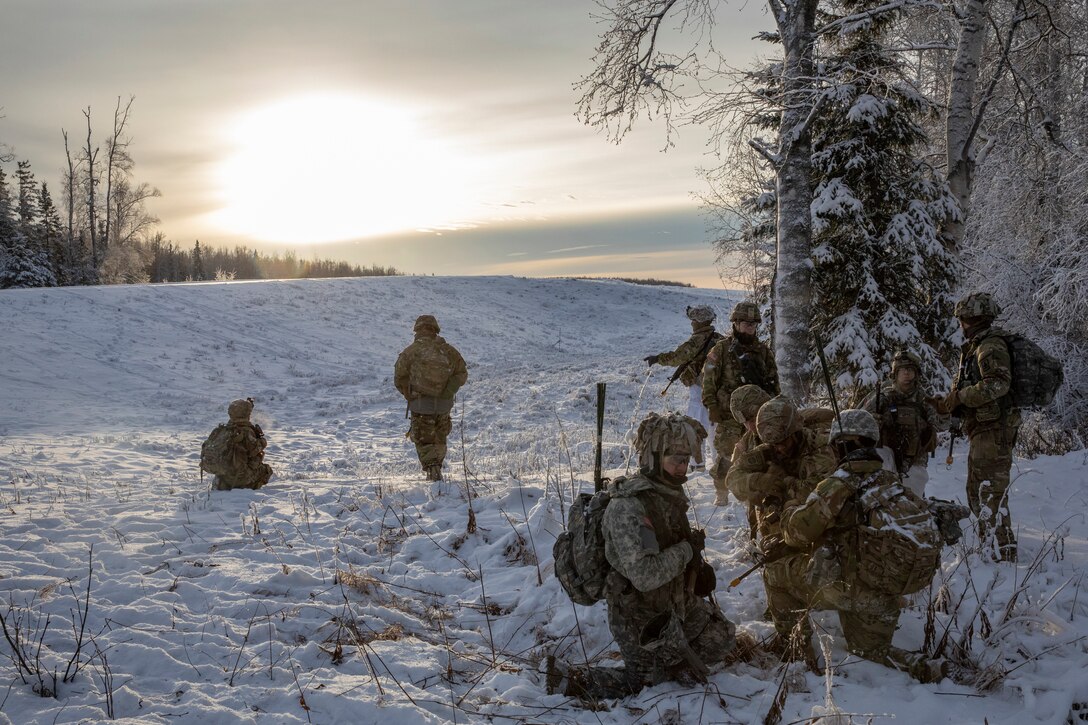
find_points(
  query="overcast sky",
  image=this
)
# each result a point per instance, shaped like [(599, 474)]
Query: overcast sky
[(435, 135)]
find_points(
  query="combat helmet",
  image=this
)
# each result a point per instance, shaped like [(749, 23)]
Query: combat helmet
[(669, 434), (906, 359), (745, 312), (239, 410), (700, 313), (777, 420), (977, 304), (855, 423), (746, 401), (426, 322)]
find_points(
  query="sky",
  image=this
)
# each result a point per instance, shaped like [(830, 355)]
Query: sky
[(435, 136)]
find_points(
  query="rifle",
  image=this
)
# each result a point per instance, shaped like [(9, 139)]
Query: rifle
[(777, 549), (598, 480), (827, 375), (954, 431), (710, 340)]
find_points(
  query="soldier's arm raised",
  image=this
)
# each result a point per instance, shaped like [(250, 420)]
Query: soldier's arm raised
[(751, 478), (996, 369), (805, 522), (632, 550), (686, 351)]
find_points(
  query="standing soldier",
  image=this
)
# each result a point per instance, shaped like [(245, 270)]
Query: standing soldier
[(845, 566), (908, 422), (658, 580), (428, 373), (979, 399), (787, 465), (737, 360), (688, 359)]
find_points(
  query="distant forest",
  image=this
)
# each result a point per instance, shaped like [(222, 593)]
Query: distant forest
[(98, 229), (168, 262)]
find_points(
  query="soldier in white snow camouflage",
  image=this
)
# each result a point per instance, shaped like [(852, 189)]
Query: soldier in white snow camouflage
[(688, 358)]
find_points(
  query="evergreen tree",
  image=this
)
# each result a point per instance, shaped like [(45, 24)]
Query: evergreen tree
[(51, 236), (21, 264), (883, 272), (198, 272), (28, 200)]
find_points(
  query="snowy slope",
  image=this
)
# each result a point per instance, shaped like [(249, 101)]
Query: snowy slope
[(349, 590)]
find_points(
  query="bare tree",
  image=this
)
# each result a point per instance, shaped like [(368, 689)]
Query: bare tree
[(89, 157)]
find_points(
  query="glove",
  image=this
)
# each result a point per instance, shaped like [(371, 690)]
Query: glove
[(705, 581), (715, 415), (948, 403), (697, 539), (651, 359)]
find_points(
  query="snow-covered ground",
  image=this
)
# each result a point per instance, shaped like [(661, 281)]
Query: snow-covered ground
[(351, 591)]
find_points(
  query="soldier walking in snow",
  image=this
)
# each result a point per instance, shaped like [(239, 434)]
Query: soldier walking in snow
[(655, 590), (980, 399), (688, 360), (736, 360), (908, 422), (428, 373), (234, 451)]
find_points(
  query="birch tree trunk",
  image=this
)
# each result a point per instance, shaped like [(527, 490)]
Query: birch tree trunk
[(792, 293), (960, 129)]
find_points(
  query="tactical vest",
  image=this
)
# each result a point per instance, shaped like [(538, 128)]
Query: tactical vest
[(903, 420), (752, 370)]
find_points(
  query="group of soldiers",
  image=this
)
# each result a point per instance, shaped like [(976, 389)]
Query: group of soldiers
[(809, 479), (800, 473)]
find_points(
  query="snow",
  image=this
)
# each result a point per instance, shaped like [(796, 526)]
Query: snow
[(351, 590)]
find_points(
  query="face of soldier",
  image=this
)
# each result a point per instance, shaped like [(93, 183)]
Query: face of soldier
[(905, 378), (747, 327), (675, 464)]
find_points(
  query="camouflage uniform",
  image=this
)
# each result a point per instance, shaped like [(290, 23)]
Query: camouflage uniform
[(767, 480), (647, 543), (730, 364), (824, 522), (908, 424), (991, 425), (247, 448), (431, 423), (691, 354)]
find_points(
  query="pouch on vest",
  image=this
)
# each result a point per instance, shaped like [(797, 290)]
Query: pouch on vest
[(430, 405)]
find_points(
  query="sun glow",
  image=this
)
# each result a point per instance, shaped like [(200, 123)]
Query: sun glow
[(332, 167)]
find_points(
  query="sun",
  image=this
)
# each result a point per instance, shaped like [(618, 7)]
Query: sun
[(330, 167)]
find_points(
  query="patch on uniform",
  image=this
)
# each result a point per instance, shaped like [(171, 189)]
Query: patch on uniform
[(712, 356), (648, 539)]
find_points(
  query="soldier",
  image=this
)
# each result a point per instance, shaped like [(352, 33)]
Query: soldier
[(744, 404), (737, 360), (788, 464), (908, 422), (234, 451), (688, 359), (825, 524), (979, 399), (428, 373), (656, 611)]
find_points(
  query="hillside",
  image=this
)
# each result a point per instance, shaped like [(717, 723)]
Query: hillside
[(350, 590)]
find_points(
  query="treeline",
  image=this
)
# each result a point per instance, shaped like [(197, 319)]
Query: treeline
[(167, 262), (97, 229), (651, 281)]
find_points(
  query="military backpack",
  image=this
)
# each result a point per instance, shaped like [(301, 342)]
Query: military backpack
[(431, 369), (580, 563), (898, 541), (1036, 376), (217, 453)]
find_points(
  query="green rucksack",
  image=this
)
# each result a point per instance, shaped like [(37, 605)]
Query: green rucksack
[(217, 453), (1036, 376), (431, 368), (580, 563), (898, 542)]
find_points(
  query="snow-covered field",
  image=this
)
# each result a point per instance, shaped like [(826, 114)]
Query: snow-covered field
[(351, 591)]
